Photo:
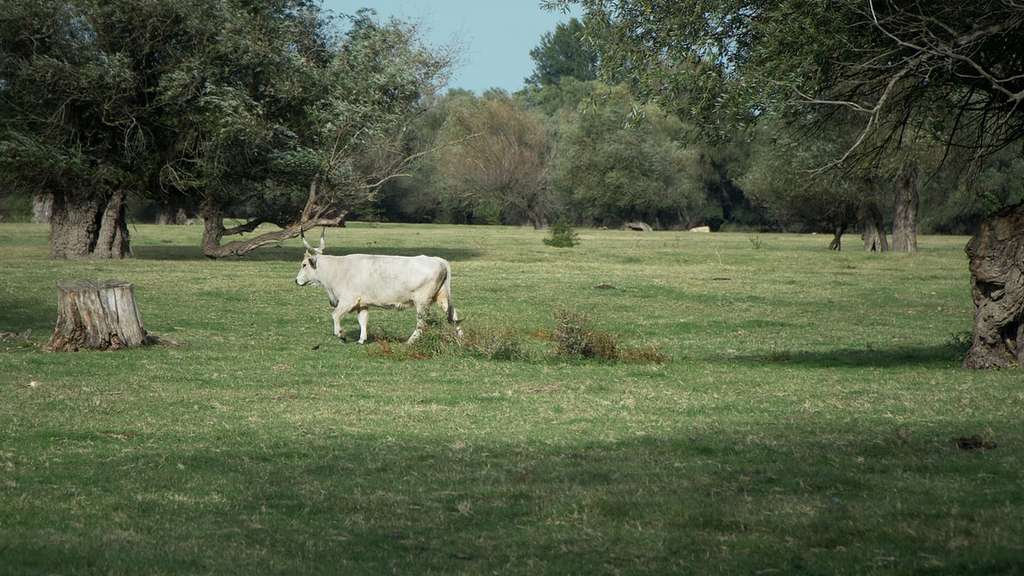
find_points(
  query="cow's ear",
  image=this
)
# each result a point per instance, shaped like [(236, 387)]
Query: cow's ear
[(312, 262)]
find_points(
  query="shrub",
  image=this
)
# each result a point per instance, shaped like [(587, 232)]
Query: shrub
[(575, 338), (602, 345), (570, 333), (562, 235)]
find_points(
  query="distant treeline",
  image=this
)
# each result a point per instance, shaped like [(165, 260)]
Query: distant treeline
[(568, 147)]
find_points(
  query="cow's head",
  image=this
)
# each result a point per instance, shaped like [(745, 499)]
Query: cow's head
[(307, 271)]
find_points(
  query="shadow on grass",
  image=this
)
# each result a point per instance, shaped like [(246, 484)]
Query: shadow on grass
[(294, 253), (337, 502), (903, 356), (18, 315)]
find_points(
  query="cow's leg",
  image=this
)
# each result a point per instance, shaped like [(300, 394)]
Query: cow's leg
[(340, 310), (450, 313), (421, 321), (363, 316)]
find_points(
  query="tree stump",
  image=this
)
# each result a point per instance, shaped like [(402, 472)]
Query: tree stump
[(98, 316), (997, 285)]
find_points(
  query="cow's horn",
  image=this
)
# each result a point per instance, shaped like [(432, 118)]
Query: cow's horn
[(323, 230), (303, 236)]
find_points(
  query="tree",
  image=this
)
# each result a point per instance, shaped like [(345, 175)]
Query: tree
[(499, 157), (68, 110), (226, 107), (421, 197), (965, 197), (563, 54), (618, 161), (952, 68), (326, 150), (782, 178)]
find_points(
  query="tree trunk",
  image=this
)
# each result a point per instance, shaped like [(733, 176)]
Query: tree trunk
[(996, 255), (904, 224), (99, 316), (874, 228), (42, 207), (112, 238), (214, 232), (536, 220), (89, 226), (837, 238)]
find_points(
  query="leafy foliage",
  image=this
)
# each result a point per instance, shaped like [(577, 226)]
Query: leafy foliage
[(951, 68), (563, 54), (498, 158), (960, 198), (228, 105), (785, 178), (617, 161)]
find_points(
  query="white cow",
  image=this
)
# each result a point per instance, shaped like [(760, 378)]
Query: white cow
[(359, 281)]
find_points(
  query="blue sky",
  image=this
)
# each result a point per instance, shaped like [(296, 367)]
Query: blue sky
[(495, 36)]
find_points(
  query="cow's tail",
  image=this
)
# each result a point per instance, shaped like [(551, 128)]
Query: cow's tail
[(446, 294)]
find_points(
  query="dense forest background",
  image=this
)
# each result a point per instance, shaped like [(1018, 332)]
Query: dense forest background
[(574, 145)]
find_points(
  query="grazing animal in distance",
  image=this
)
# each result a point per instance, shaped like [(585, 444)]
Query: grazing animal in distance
[(357, 282)]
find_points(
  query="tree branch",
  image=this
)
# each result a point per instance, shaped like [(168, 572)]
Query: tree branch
[(244, 228)]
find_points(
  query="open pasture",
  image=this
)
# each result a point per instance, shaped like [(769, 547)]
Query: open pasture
[(805, 424)]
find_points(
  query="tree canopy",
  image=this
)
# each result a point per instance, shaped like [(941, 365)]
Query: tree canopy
[(563, 53), (275, 111), (950, 67)]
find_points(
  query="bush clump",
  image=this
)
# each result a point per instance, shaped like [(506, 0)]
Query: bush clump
[(575, 338), (562, 235)]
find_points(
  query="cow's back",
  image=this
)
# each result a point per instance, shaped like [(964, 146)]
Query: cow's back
[(378, 280)]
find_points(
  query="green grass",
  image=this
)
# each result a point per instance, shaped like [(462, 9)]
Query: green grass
[(803, 426)]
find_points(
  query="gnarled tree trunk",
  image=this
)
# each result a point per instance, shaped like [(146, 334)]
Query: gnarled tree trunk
[(904, 224), (996, 255), (874, 228), (87, 226), (98, 316), (214, 231)]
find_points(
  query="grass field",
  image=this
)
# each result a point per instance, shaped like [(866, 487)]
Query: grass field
[(805, 424)]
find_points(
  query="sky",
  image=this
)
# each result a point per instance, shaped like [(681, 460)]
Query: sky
[(495, 36)]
